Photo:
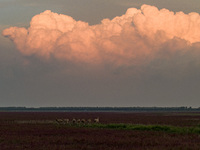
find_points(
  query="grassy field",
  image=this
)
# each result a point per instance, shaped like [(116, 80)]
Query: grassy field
[(118, 131), (139, 127)]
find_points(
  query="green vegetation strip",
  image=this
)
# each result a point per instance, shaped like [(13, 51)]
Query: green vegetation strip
[(164, 128)]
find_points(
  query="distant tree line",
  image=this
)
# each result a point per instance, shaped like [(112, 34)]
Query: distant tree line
[(98, 109)]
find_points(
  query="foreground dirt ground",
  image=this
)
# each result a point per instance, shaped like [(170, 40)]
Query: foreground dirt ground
[(49, 135)]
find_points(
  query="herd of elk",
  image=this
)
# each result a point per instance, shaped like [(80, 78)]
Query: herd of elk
[(77, 121)]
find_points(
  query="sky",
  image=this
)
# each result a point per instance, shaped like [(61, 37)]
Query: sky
[(100, 53)]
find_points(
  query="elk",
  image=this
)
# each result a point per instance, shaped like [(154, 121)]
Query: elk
[(96, 120), (66, 121), (78, 120), (89, 120), (73, 121), (83, 121), (59, 121)]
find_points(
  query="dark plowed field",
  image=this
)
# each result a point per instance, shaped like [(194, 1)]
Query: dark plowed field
[(19, 131)]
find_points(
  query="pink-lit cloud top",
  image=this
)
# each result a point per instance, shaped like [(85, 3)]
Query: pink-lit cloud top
[(137, 37)]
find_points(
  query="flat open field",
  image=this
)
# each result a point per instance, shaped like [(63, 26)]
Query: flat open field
[(144, 130)]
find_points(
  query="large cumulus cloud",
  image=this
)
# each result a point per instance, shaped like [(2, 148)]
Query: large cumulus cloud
[(137, 37)]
